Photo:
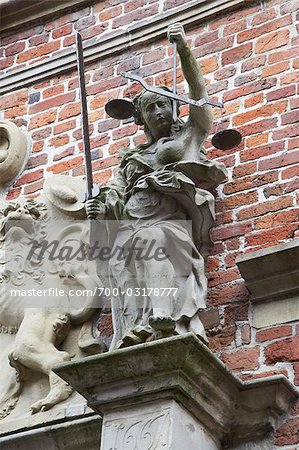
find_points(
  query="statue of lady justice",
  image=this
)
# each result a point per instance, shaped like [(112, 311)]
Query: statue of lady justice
[(160, 200)]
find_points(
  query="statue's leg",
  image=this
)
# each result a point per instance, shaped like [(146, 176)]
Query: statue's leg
[(156, 273)]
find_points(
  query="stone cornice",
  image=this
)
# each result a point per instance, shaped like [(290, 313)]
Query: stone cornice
[(115, 42), (17, 13), (184, 369)]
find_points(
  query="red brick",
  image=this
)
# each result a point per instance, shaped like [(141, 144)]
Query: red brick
[(37, 146), (69, 40), (213, 47), (210, 318), (205, 38), (99, 141), (272, 235), (15, 99), (257, 140), (68, 152), (103, 177), (243, 79), (66, 165), (263, 111), (288, 433), (264, 30), (116, 146), (236, 54), (245, 359), (222, 338), (253, 63), (38, 51), (35, 161), (156, 55), (40, 120), (94, 31), (281, 93), (223, 233), (110, 13), (290, 117), (234, 201), (33, 187), (291, 172), (276, 220), (29, 177), (15, 112), (138, 14), (293, 143), (290, 78), (224, 73), (58, 100), (282, 188), (275, 69), (282, 55), (65, 126), (59, 141), (265, 207), (251, 88), (85, 23), (258, 127), (296, 367), (286, 132), (244, 169), (62, 31), (39, 39), (279, 161), (128, 130), (13, 49), (53, 91), (263, 17), (13, 194), (71, 110), (273, 333), (254, 100), (14, 37), (106, 162), (289, 7), (41, 134), (233, 17), (251, 182), (272, 40), (131, 5), (235, 27)]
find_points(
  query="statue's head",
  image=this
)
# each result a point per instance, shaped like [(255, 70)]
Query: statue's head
[(155, 112)]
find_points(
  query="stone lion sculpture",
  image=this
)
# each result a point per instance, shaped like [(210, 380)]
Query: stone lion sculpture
[(39, 325)]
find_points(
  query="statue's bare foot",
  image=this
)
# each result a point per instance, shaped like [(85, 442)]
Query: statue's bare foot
[(163, 326), (59, 391)]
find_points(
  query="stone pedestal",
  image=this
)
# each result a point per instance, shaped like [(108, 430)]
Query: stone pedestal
[(175, 394)]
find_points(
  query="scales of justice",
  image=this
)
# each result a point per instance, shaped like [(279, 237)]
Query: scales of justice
[(123, 109)]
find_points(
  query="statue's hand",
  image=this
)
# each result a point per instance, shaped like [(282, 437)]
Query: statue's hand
[(176, 33), (95, 209)]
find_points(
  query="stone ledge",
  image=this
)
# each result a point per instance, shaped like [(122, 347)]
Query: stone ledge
[(272, 278), (74, 434), (272, 272), (184, 369), (117, 41)]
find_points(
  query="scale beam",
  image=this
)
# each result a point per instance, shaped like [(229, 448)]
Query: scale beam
[(171, 95)]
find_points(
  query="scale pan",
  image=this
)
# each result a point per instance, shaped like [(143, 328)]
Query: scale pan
[(120, 109), (226, 139)]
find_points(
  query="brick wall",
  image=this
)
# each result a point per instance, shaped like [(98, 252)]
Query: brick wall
[(250, 60)]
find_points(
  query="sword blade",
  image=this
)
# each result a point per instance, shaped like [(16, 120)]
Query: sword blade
[(84, 116)]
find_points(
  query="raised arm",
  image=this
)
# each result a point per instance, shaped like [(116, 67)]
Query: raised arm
[(201, 117)]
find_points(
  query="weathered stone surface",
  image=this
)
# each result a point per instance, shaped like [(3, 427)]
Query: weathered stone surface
[(184, 369), (272, 278), (13, 151)]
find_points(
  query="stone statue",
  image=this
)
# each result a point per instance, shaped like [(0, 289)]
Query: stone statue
[(13, 151), (160, 200), (33, 330)]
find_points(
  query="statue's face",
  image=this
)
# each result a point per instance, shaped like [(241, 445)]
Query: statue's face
[(157, 114)]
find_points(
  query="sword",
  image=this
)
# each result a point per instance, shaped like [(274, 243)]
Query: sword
[(92, 191)]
